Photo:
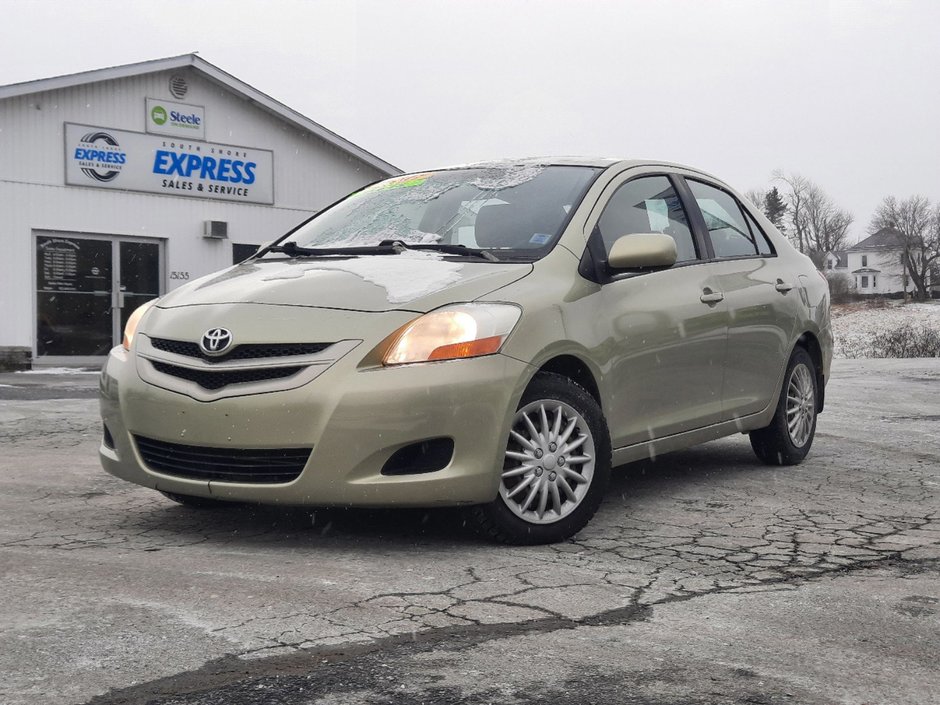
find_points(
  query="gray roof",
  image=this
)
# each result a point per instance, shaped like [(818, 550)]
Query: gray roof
[(884, 239), (212, 73)]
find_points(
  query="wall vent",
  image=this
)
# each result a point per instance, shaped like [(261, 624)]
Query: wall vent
[(216, 229), (178, 86)]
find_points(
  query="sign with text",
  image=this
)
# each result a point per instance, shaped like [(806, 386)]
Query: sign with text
[(133, 161), (187, 122)]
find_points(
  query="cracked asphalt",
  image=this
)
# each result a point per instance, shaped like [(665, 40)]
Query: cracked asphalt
[(704, 578)]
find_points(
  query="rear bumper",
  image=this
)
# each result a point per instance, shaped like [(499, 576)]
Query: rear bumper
[(354, 419)]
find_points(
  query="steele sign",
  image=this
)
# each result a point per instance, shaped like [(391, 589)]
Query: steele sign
[(164, 117)]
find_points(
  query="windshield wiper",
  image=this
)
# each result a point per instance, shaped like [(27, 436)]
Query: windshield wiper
[(292, 249), (386, 247), (460, 250)]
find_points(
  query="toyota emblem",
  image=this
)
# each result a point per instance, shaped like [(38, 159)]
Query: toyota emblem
[(216, 341)]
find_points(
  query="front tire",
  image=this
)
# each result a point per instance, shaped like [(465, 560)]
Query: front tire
[(788, 438), (556, 466)]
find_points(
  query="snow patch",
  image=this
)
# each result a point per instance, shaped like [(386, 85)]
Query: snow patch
[(498, 178), (404, 277), (59, 371), (854, 326)]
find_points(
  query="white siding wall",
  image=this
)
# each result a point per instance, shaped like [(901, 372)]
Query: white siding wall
[(889, 276), (308, 175)]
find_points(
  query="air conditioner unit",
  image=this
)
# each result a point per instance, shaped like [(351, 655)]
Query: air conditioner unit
[(216, 229)]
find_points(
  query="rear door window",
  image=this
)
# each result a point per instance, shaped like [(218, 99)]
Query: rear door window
[(727, 228)]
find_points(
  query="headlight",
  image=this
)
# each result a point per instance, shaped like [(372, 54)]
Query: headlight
[(465, 330), (131, 328)]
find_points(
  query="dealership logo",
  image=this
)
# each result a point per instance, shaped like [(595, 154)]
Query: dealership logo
[(99, 156), (188, 120), (158, 115), (216, 341)]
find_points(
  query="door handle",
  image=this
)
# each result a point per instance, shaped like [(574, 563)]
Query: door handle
[(782, 286), (711, 297)]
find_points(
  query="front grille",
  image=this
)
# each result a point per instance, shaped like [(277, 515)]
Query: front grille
[(246, 351), (262, 466), (216, 379)]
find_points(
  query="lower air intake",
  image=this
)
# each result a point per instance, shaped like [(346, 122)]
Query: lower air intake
[(260, 466)]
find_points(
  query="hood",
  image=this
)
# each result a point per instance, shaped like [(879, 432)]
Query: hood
[(414, 281)]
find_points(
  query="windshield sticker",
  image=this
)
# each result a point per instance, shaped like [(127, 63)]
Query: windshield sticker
[(409, 181), (540, 238)]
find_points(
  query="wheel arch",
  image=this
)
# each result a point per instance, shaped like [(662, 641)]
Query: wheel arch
[(575, 369), (810, 343)]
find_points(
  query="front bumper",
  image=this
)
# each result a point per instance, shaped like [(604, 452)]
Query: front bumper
[(354, 419)]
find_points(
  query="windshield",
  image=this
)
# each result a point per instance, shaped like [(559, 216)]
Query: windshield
[(509, 211)]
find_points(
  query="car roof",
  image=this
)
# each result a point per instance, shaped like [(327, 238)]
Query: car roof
[(601, 162)]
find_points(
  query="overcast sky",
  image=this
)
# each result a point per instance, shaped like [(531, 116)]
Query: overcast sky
[(846, 93)]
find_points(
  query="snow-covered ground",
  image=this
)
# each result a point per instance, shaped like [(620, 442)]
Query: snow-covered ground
[(855, 325)]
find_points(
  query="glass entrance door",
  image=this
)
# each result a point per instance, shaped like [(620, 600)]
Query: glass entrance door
[(86, 287), (138, 280)]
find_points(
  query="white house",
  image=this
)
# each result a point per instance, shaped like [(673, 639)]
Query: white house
[(874, 265), (119, 184)]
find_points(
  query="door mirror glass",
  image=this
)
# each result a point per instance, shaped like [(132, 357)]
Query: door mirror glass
[(642, 250)]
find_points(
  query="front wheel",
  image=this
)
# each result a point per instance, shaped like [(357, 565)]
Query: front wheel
[(788, 438), (556, 466)]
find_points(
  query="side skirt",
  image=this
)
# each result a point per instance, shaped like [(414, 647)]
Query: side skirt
[(659, 446)]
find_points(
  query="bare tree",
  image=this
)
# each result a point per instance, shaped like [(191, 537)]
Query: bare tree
[(918, 228), (795, 197), (815, 224), (756, 197)]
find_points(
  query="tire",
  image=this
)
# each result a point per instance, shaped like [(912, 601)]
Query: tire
[(541, 498), (788, 438), (198, 502)]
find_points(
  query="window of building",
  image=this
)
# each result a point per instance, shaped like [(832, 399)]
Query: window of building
[(864, 281), (829, 264), (647, 205), (864, 260), (727, 228), (242, 252), (874, 281)]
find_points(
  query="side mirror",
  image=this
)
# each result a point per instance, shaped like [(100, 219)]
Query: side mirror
[(642, 250)]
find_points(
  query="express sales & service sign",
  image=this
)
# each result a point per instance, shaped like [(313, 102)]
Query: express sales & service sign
[(133, 161)]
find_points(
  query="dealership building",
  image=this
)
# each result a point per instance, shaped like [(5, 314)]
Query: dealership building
[(118, 185)]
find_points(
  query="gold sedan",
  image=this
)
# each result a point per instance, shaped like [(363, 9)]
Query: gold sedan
[(495, 335)]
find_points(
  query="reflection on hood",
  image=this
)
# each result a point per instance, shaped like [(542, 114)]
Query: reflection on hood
[(404, 277)]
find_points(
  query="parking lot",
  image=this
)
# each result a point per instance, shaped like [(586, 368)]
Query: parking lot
[(705, 577)]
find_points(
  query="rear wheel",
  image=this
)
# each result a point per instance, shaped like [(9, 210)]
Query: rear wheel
[(788, 438), (556, 466), (193, 501)]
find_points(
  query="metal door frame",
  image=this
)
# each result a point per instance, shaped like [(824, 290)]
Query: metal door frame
[(115, 240)]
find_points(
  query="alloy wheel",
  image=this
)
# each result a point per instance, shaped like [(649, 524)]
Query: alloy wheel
[(801, 405), (549, 462)]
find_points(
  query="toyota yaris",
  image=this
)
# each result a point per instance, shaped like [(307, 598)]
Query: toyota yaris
[(496, 335)]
